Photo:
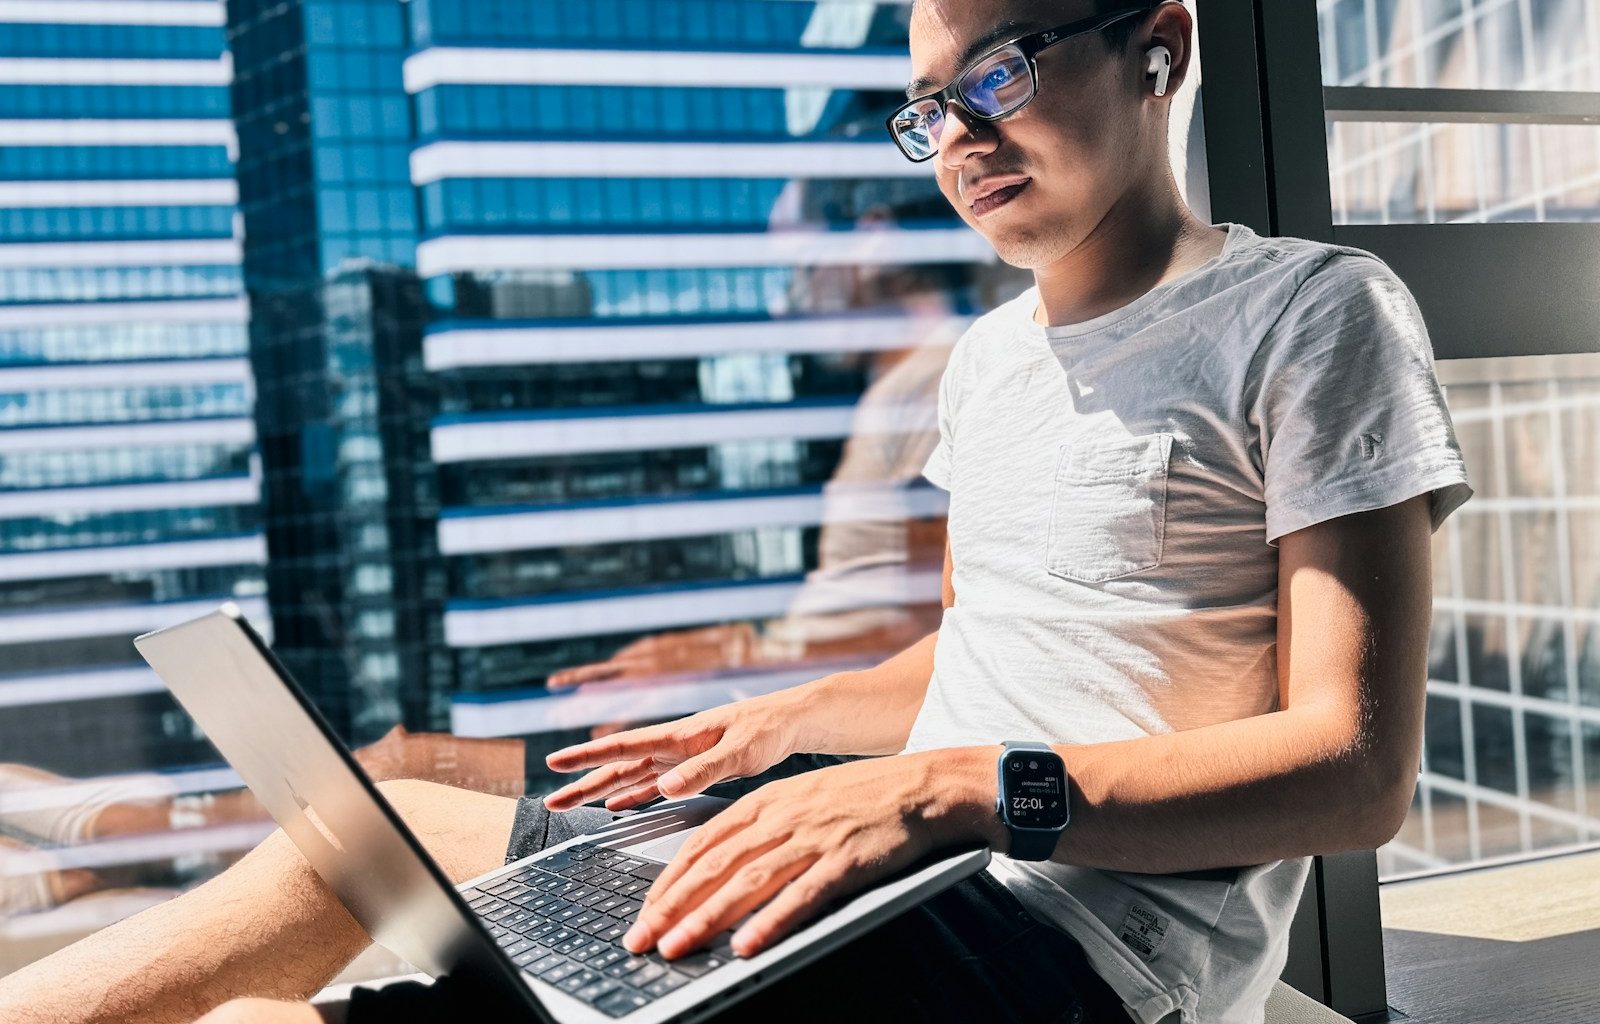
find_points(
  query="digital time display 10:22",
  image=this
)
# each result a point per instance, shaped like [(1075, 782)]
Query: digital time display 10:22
[(1035, 794)]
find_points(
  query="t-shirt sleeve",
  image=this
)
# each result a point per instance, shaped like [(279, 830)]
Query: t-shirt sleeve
[(937, 468), (1348, 410)]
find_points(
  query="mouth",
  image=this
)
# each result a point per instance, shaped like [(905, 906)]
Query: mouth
[(991, 197)]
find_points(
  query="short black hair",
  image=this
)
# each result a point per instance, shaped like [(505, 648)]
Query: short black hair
[(1115, 36)]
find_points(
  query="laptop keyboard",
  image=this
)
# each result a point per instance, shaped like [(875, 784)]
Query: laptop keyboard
[(562, 920)]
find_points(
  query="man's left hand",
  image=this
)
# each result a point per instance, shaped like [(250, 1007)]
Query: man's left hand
[(792, 847)]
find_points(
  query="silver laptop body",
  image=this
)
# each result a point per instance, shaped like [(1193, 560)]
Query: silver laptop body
[(495, 928)]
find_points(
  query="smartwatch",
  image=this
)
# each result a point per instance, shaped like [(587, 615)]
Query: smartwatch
[(1033, 799)]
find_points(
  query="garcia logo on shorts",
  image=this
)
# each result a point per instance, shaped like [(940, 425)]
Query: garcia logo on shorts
[(1143, 931)]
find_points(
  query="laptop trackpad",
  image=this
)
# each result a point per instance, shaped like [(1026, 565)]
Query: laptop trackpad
[(664, 849)]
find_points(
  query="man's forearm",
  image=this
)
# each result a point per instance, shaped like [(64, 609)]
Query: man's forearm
[(1246, 792), (866, 712)]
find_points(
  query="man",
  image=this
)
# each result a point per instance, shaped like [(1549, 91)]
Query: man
[(1193, 474)]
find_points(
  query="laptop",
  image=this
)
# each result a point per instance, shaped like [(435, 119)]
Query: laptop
[(544, 932)]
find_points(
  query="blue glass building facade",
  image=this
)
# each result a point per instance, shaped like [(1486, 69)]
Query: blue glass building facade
[(666, 248), (335, 339), (128, 488)]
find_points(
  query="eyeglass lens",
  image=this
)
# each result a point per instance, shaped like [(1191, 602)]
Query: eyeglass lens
[(992, 88)]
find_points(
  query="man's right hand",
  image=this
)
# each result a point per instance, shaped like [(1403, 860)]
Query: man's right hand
[(678, 759)]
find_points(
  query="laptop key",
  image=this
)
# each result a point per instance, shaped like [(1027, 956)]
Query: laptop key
[(518, 948), (582, 918), (561, 935), (560, 972), (626, 966), (628, 910), (598, 927), (576, 942), (646, 974), (649, 872), (573, 982), (621, 1003), (666, 983), (697, 965), (631, 887), (594, 990), (529, 957), (610, 903), (606, 959), (533, 931), (590, 950), (612, 932), (545, 963)]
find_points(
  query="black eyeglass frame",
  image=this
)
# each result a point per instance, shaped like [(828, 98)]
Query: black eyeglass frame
[(1030, 46)]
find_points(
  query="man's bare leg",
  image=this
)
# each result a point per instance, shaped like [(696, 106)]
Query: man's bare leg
[(266, 927)]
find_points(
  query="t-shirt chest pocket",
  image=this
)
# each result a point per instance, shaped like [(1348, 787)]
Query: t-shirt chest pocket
[(1108, 518)]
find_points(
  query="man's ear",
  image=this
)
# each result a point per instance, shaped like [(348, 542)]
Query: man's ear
[(1171, 27)]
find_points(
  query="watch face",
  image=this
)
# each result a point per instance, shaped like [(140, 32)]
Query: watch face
[(1035, 789)]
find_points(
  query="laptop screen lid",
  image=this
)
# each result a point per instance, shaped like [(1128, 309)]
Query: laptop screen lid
[(224, 675)]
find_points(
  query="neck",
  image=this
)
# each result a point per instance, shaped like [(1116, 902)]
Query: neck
[(1149, 236)]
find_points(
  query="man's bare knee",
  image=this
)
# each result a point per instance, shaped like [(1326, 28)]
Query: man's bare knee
[(467, 832)]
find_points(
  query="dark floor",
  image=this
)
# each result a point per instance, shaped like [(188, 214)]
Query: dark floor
[(1516, 945)]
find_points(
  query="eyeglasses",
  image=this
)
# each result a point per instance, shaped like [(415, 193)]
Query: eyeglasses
[(998, 83)]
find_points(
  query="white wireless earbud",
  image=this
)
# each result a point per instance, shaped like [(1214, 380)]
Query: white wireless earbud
[(1160, 66)]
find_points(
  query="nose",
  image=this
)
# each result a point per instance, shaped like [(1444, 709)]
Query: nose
[(964, 136)]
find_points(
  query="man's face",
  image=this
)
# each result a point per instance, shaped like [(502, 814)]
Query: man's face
[(1076, 143)]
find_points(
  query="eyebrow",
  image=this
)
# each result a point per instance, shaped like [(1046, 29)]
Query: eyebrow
[(970, 54)]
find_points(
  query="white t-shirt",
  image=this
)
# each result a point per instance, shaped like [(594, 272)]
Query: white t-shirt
[(1117, 488)]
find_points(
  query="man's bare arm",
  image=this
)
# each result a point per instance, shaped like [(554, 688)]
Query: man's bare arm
[(1334, 769), (266, 927), (871, 712)]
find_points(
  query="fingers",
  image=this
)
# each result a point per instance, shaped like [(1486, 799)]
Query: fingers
[(701, 868), (599, 783), (633, 797), (697, 773), (622, 746), (800, 901), (752, 885)]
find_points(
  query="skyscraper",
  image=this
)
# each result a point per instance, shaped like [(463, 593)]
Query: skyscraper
[(658, 244), (335, 340), (128, 494)]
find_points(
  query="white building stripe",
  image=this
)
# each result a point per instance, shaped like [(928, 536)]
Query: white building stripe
[(213, 192), (622, 702), (470, 66), (142, 848), (102, 375), (241, 430), (872, 159), (666, 609), (188, 554), (227, 491), (786, 248), (532, 438), (527, 346), (235, 310), (74, 686), (98, 71), (179, 253), (112, 12), (100, 620), (517, 531), (131, 131)]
